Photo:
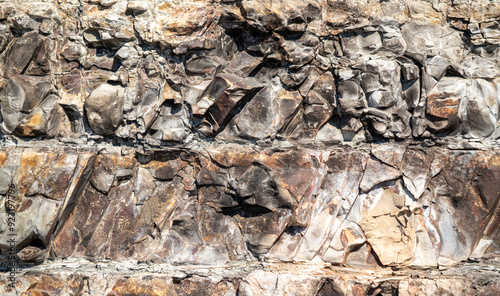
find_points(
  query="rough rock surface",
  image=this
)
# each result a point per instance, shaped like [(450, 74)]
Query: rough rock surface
[(232, 206), (160, 73), (250, 147)]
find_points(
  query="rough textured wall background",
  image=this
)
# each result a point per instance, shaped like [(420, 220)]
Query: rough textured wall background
[(250, 147)]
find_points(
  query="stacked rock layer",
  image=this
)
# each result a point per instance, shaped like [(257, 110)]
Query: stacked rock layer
[(250, 147)]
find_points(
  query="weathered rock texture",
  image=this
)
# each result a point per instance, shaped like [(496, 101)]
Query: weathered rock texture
[(327, 71), (389, 206), (251, 147)]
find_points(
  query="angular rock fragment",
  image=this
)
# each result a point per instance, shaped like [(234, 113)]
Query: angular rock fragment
[(298, 54), (201, 65), (243, 64), (389, 229), (415, 169), (265, 122), (376, 173), (329, 133), (307, 122), (175, 23), (43, 120), (389, 154), (228, 91), (257, 187), (382, 85), (21, 53), (170, 125), (261, 232), (137, 6), (410, 84), (295, 75)]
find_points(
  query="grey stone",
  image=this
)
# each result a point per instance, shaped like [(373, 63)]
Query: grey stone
[(482, 109), (257, 120), (431, 40), (243, 64), (350, 96), (294, 77), (21, 96), (355, 45), (103, 180), (201, 65), (297, 53), (377, 172), (171, 124), (104, 108)]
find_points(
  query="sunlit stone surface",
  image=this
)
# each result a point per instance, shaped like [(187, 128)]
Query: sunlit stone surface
[(250, 147)]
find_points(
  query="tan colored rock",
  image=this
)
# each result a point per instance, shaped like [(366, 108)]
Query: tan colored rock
[(434, 287), (174, 22), (389, 229)]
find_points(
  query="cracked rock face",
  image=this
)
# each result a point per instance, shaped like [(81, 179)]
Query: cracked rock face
[(154, 73), (250, 147), (340, 207)]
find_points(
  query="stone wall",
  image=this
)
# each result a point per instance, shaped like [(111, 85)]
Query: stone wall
[(250, 147)]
